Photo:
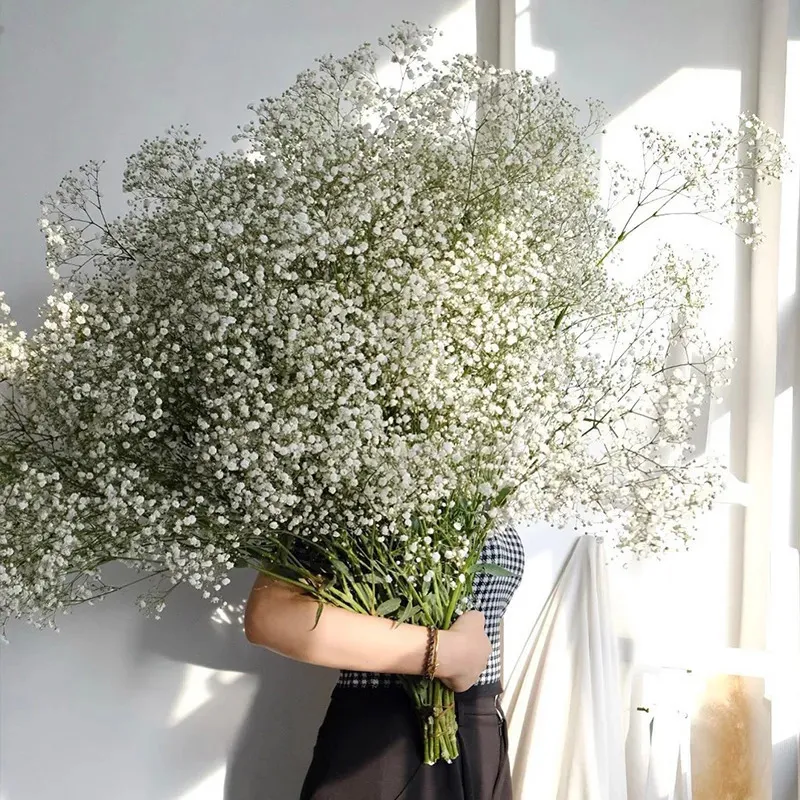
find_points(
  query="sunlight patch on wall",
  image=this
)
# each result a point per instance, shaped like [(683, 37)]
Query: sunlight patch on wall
[(458, 35), (538, 60), (229, 614), (199, 685), (691, 99), (783, 641), (459, 32), (783, 627), (665, 620), (786, 713), (212, 787), (719, 434)]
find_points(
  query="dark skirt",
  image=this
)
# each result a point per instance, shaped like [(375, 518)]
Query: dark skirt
[(369, 747)]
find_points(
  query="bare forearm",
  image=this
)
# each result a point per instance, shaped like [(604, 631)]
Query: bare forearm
[(283, 620)]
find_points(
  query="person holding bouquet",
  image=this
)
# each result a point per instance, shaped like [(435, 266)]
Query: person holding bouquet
[(369, 746)]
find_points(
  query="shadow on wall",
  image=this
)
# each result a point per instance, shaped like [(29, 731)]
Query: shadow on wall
[(619, 50), (239, 708), (118, 705)]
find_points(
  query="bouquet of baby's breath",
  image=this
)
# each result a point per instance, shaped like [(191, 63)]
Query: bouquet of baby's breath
[(346, 352)]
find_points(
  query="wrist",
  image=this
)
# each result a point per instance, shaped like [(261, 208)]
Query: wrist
[(448, 654)]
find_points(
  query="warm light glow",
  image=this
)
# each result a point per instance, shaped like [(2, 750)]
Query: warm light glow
[(198, 688), (212, 787)]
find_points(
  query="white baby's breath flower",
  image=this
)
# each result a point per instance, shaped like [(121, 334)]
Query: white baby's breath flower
[(354, 325)]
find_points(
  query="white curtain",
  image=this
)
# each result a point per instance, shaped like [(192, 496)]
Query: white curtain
[(669, 775), (563, 698), (659, 737)]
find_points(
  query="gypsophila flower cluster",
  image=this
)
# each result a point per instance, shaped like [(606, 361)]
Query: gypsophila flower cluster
[(382, 327)]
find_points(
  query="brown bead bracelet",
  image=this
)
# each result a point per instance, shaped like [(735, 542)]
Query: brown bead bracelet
[(432, 654)]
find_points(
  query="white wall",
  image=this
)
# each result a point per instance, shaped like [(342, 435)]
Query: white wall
[(116, 706)]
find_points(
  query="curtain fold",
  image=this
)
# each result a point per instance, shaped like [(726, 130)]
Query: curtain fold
[(669, 775), (563, 698)]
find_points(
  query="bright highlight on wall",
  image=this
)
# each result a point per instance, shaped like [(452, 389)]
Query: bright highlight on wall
[(198, 687), (212, 787), (458, 35), (538, 60)]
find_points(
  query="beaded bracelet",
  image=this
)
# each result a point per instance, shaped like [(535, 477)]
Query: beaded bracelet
[(432, 654)]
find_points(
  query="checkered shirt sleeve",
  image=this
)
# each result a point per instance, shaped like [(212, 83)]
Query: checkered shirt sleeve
[(491, 595)]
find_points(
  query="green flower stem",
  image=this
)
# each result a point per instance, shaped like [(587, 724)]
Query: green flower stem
[(435, 706)]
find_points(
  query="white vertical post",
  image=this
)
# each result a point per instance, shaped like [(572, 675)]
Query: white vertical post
[(508, 33), (763, 344), (759, 537)]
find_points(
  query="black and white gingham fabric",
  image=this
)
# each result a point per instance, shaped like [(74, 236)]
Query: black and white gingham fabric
[(491, 595)]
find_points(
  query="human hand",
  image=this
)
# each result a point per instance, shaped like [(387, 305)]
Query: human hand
[(464, 651)]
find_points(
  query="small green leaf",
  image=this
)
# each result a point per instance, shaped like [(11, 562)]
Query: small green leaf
[(503, 494), (320, 607), (340, 566), (366, 597), (406, 613), (491, 569), (389, 606)]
